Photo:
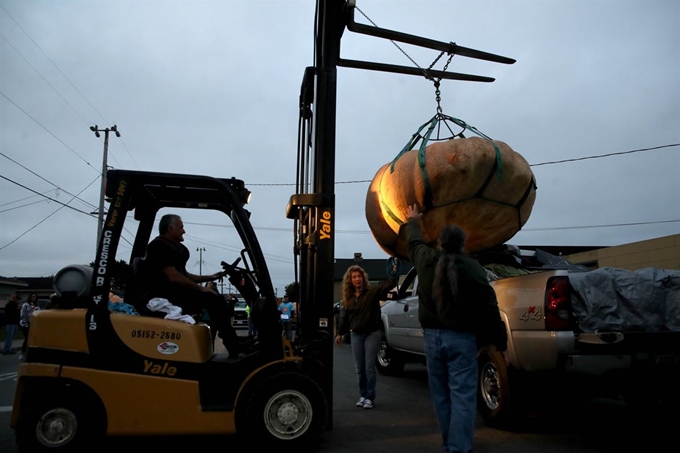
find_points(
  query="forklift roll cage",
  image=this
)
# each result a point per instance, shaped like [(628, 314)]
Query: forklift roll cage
[(148, 192)]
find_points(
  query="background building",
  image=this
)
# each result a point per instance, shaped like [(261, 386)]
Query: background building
[(663, 252)]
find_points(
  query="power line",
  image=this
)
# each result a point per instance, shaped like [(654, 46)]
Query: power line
[(63, 205), (604, 155), (232, 248), (53, 64), (49, 182), (25, 198), (43, 220), (52, 199), (600, 226), (129, 153), (63, 75), (44, 79), (599, 156), (22, 206), (48, 131)]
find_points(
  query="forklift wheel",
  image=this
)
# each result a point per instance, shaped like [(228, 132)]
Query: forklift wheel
[(61, 425), (287, 410)]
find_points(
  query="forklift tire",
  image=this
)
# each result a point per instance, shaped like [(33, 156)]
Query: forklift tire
[(57, 425), (287, 411)]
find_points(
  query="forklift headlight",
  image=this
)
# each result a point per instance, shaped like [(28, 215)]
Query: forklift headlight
[(244, 195)]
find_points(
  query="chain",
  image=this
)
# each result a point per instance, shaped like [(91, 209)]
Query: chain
[(426, 72), (437, 92), (392, 41)]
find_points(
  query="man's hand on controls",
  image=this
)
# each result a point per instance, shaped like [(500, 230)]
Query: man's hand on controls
[(218, 275)]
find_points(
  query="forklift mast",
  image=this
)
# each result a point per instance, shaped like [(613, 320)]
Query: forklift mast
[(312, 207)]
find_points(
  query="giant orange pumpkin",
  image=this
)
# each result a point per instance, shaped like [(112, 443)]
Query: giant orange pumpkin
[(483, 186)]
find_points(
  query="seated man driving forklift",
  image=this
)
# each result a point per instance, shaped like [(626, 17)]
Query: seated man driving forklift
[(166, 277)]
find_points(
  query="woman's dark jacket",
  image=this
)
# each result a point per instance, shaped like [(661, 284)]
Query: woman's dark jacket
[(362, 314), (476, 309)]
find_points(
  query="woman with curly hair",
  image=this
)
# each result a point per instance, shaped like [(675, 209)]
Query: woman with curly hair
[(360, 316)]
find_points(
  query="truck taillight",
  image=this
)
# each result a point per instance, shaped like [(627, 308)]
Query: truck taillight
[(558, 304)]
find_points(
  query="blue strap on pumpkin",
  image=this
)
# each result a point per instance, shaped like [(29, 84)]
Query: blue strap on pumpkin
[(415, 138), (431, 124)]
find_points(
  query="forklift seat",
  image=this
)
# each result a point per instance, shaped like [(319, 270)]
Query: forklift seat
[(134, 291), (136, 294)]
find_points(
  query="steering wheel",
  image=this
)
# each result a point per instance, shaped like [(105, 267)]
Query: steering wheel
[(248, 286), (230, 269)]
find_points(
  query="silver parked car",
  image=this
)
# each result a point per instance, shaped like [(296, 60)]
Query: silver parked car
[(402, 335), (240, 315)]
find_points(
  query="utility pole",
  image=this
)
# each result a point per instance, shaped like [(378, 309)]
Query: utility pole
[(200, 251), (106, 131)]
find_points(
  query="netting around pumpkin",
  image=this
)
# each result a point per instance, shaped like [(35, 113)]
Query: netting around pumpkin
[(479, 184)]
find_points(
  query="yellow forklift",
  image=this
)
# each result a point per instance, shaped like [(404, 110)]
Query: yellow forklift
[(91, 372)]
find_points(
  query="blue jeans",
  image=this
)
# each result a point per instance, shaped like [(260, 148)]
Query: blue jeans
[(287, 330), (252, 330), (452, 374), (10, 331), (365, 351)]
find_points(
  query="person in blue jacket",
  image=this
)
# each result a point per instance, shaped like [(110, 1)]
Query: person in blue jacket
[(287, 310)]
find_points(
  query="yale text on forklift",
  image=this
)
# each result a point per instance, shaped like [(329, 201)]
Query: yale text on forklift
[(157, 368), (326, 228)]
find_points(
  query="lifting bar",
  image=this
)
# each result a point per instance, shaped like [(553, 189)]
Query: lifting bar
[(448, 47)]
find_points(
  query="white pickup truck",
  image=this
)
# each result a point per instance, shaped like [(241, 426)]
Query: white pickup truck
[(565, 325)]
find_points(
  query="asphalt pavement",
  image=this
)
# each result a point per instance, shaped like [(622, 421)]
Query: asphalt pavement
[(403, 421)]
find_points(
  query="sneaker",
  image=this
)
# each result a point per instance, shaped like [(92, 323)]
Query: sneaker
[(368, 404), (361, 402), (21, 357)]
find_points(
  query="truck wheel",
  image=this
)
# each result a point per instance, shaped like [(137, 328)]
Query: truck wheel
[(287, 411), (390, 362), (493, 391), (59, 425)]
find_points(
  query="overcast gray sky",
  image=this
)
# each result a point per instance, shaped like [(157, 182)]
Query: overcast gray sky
[(212, 87)]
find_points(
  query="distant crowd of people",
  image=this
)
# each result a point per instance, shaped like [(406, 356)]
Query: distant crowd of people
[(18, 317)]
